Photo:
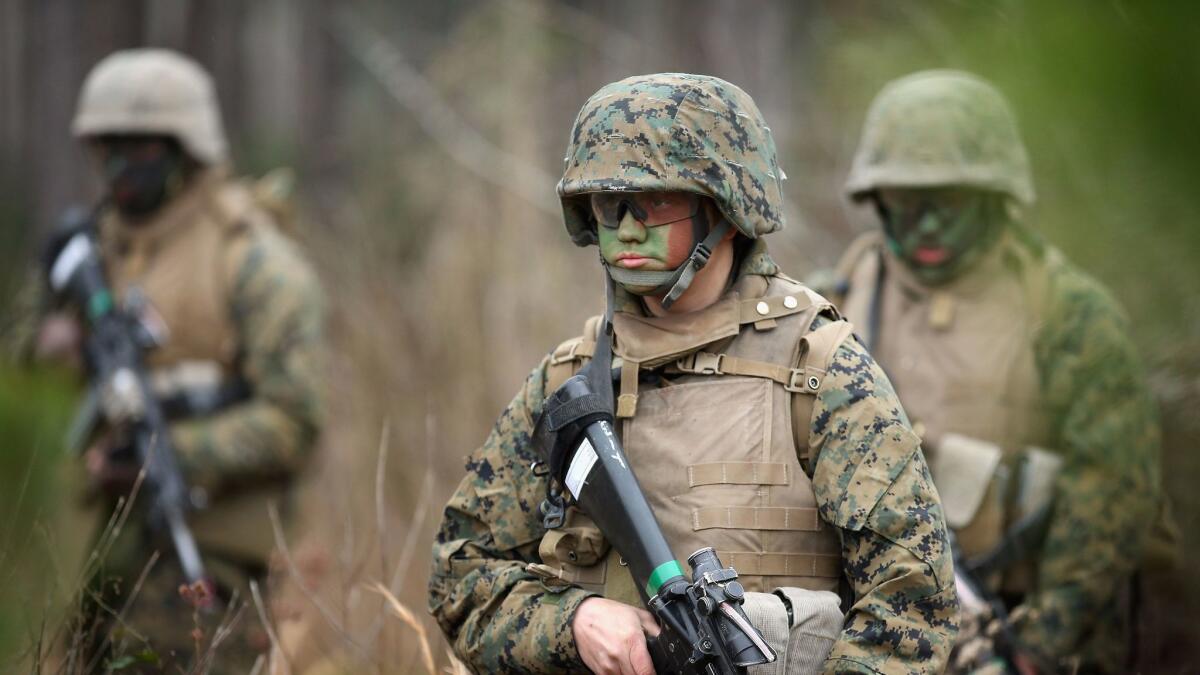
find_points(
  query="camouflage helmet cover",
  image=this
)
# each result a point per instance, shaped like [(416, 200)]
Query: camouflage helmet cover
[(673, 132), (941, 127), (155, 91)]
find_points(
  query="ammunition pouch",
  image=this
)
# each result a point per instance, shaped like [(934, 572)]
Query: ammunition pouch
[(800, 626), (996, 502)]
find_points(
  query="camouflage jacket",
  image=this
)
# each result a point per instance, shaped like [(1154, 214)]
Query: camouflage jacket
[(1104, 423), (1109, 489), (277, 311), (870, 480)]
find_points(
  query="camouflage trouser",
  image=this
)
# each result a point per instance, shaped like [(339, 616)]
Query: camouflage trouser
[(136, 618)]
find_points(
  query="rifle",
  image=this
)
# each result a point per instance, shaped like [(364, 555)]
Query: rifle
[(977, 599), (704, 629), (113, 355)]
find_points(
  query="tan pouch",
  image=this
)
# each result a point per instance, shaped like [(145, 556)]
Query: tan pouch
[(1035, 487), (571, 554), (802, 647), (578, 542), (962, 469)]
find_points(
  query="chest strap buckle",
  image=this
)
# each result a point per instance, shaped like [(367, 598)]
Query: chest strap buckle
[(701, 363)]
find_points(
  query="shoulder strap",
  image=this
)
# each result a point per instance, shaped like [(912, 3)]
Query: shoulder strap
[(1037, 279), (816, 355), (862, 246), (568, 357)]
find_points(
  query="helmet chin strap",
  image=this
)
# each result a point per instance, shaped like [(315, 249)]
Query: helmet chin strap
[(674, 283)]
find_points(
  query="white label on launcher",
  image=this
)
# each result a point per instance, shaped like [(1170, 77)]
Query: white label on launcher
[(581, 465)]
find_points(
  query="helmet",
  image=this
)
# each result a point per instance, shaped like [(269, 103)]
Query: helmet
[(673, 132), (941, 127), (153, 91)]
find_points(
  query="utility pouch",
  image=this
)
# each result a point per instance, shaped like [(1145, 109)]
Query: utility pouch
[(963, 468), (1035, 483), (799, 624), (972, 480), (572, 554)]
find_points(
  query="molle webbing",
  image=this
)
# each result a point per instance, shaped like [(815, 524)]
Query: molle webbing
[(756, 518), (751, 563), (738, 473)]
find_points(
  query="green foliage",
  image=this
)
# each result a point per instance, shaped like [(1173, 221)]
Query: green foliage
[(130, 662), (34, 411)]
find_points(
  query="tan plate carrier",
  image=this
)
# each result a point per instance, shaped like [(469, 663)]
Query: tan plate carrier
[(714, 448)]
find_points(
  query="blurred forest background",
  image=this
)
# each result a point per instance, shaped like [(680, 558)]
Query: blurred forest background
[(427, 138)]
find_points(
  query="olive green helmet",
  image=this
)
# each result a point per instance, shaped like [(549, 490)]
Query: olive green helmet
[(938, 128), (153, 91), (673, 132)]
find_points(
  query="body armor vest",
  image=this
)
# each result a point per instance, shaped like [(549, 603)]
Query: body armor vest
[(961, 359), (183, 263), (714, 412)]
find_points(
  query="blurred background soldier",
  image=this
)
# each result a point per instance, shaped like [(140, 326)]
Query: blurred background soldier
[(1016, 368), (755, 422), (236, 314)]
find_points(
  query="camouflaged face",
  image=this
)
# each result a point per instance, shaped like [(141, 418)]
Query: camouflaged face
[(673, 132), (937, 128)]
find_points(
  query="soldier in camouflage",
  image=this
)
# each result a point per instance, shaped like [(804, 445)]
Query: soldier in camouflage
[(1016, 368), (755, 423), (239, 316)]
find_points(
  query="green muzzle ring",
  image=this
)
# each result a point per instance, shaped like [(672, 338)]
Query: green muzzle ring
[(661, 574)]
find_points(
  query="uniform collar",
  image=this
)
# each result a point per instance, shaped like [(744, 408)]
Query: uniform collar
[(653, 340)]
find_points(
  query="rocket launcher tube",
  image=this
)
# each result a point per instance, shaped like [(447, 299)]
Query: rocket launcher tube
[(704, 627)]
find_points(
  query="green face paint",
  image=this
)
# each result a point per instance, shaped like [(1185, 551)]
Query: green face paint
[(938, 233), (632, 245)]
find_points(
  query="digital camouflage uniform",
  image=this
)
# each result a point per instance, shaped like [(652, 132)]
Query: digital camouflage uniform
[(1022, 351), (871, 486), (240, 309)]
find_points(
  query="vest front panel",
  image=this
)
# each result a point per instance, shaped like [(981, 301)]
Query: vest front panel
[(961, 359)]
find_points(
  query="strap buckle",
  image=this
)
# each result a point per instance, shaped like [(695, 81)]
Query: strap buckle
[(701, 363), (798, 383)]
